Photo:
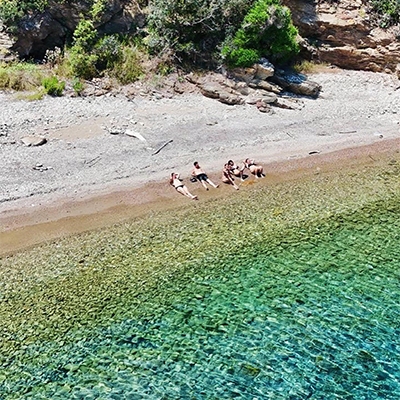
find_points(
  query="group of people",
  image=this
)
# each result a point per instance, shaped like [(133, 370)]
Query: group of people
[(229, 173)]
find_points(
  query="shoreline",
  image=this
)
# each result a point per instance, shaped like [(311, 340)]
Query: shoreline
[(23, 226), (92, 179)]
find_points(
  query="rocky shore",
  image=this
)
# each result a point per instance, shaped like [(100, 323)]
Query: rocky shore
[(103, 144)]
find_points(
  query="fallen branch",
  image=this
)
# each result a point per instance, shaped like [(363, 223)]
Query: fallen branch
[(157, 151), (93, 161)]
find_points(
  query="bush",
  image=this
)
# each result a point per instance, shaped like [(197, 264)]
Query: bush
[(20, 76), (78, 86), (13, 10), (53, 87), (388, 10), (108, 52), (240, 57), (193, 28), (267, 30), (82, 65), (309, 67), (129, 69)]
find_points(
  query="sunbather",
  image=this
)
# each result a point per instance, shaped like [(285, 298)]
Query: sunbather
[(201, 176), (256, 170), (236, 170), (180, 187), (227, 177)]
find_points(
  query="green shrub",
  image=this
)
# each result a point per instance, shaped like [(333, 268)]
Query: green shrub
[(129, 68), (193, 28), (78, 86), (267, 30), (388, 11), (240, 57), (89, 54), (13, 10), (35, 96), (108, 52), (20, 76), (53, 87), (82, 65)]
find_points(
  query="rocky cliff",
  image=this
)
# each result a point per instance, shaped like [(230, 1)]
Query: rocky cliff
[(338, 32), (343, 33), (41, 31)]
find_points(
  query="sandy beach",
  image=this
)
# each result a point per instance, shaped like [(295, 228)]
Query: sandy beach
[(84, 177)]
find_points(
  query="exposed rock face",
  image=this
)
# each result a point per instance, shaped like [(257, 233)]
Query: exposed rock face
[(6, 43), (52, 28), (345, 35), (236, 89), (338, 32)]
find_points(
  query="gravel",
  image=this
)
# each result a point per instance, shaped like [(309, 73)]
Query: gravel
[(87, 150)]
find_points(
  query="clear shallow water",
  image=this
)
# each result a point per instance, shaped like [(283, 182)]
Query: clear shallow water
[(316, 316)]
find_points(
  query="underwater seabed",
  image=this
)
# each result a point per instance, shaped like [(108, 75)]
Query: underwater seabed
[(288, 291)]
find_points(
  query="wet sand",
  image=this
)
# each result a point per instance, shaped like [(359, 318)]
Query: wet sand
[(26, 225)]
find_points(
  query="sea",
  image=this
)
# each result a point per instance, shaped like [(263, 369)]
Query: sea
[(286, 291)]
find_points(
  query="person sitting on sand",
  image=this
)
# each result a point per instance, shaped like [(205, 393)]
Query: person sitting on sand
[(201, 176), (256, 170), (227, 176), (236, 170), (179, 186)]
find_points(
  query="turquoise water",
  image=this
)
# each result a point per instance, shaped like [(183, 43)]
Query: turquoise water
[(316, 316)]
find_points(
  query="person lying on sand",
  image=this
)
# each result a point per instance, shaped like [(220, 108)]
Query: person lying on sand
[(236, 170), (201, 176), (179, 186), (256, 170), (227, 176)]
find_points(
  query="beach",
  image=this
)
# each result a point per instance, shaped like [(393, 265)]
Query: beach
[(287, 288), (85, 178), (113, 285)]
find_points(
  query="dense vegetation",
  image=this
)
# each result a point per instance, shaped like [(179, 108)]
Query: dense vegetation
[(202, 32), (13, 10), (388, 11), (267, 30)]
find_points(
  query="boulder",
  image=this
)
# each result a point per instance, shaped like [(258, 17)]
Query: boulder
[(243, 74), (263, 107), (242, 88), (211, 89), (33, 140), (289, 103), (264, 69), (264, 85), (230, 98), (215, 90), (298, 84)]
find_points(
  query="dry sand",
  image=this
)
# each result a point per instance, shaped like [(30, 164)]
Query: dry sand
[(94, 178)]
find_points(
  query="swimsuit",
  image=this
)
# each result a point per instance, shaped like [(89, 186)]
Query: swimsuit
[(177, 184), (202, 177)]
